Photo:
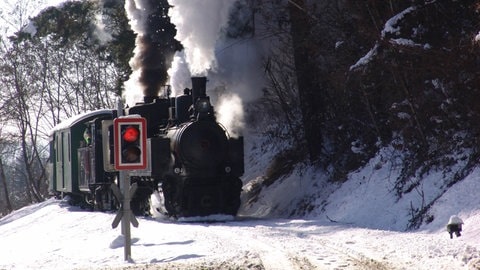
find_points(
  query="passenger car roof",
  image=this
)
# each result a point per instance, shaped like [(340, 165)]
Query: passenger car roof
[(69, 122)]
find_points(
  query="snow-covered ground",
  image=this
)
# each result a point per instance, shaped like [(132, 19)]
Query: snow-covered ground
[(355, 225), (54, 235)]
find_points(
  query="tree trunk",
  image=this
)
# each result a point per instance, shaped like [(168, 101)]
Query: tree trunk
[(309, 89), (3, 179)]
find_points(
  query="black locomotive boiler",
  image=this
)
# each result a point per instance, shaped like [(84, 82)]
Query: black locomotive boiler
[(192, 161)]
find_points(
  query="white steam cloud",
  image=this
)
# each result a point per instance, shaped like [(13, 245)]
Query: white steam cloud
[(179, 73), (137, 15), (198, 24), (230, 114), (103, 36), (232, 67)]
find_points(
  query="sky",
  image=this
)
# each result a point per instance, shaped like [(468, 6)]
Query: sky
[(54, 2), (10, 14)]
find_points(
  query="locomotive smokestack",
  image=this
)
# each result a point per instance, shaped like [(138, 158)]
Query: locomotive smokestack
[(199, 88), (149, 99)]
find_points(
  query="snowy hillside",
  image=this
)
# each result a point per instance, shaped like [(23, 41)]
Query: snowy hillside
[(367, 198)]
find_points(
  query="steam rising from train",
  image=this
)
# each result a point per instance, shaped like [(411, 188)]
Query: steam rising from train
[(198, 26), (232, 73)]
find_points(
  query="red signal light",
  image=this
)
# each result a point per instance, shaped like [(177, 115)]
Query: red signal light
[(130, 140), (131, 134)]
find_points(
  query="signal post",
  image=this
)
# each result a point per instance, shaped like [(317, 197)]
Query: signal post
[(130, 153)]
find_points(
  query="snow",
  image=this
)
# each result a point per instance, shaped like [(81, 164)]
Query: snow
[(477, 37), (365, 59), (359, 226), (53, 235), (391, 26), (67, 123)]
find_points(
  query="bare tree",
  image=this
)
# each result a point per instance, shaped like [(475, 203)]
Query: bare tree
[(3, 180), (280, 95), (47, 78)]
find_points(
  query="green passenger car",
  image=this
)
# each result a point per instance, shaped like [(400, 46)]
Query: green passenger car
[(73, 147)]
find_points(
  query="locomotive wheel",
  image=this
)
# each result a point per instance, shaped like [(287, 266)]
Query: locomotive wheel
[(202, 197), (169, 191), (233, 201)]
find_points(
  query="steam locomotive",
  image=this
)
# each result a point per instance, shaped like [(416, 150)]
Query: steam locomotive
[(191, 159)]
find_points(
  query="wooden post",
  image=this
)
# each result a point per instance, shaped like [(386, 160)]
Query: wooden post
[(125, 187)]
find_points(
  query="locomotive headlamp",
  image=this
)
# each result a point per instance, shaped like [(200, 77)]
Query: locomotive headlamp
[(203, 105)]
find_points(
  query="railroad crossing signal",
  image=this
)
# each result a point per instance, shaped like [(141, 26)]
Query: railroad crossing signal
[(124, 211), (130, 143)]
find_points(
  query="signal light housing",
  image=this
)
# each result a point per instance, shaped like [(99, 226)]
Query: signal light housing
[(130, 141)]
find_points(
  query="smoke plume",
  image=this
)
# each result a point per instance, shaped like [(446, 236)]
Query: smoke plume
[(232, 67), (154, 48)]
